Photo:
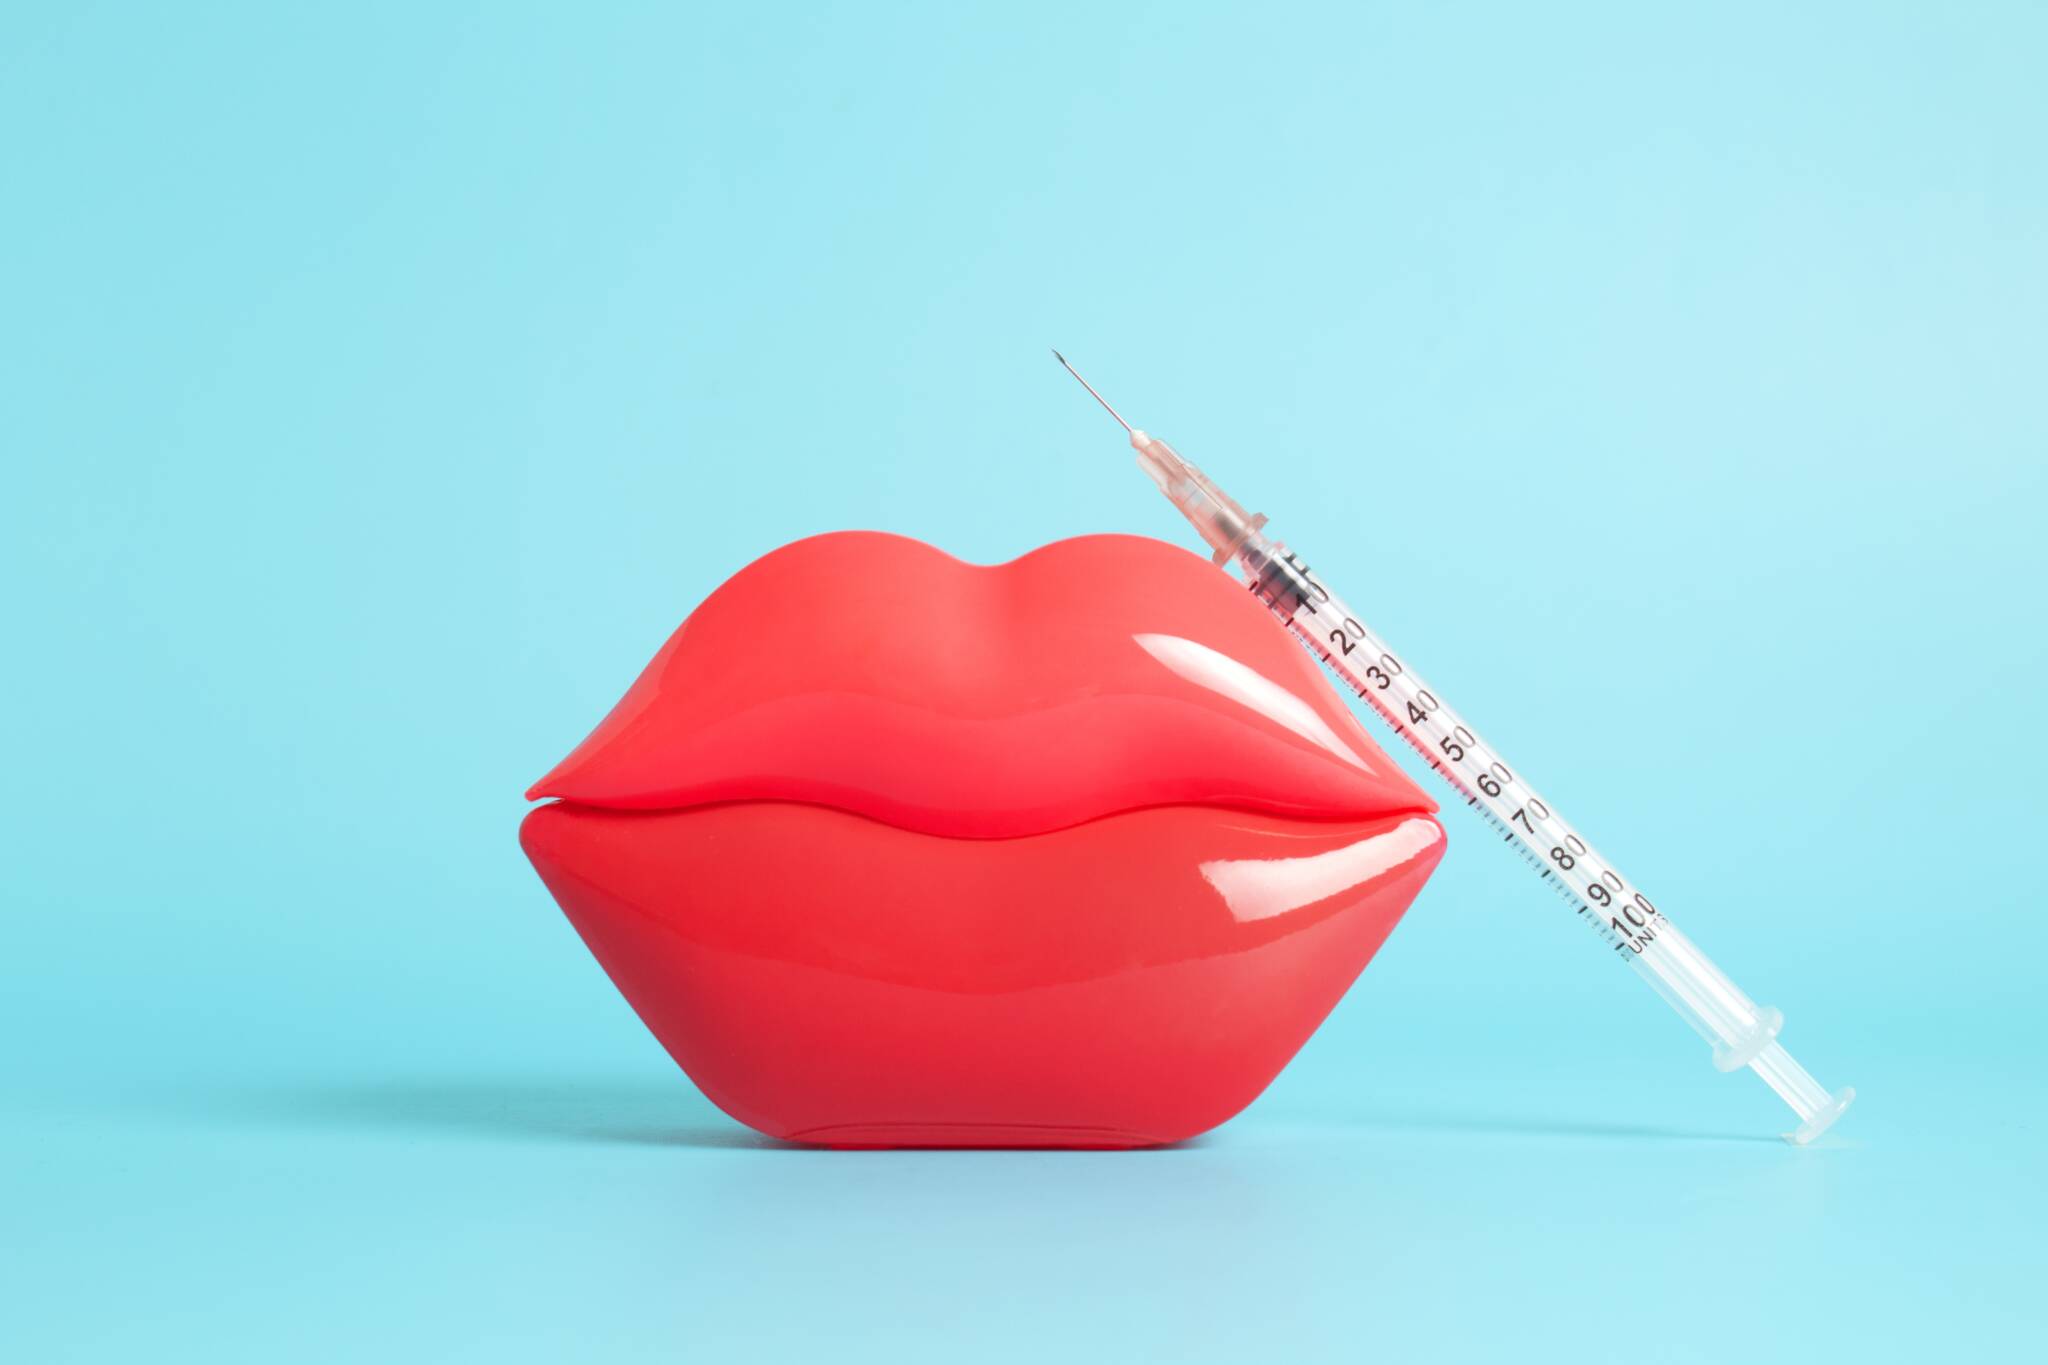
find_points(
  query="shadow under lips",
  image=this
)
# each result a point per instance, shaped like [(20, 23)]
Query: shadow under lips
[(672, 1114), (628, 1113)]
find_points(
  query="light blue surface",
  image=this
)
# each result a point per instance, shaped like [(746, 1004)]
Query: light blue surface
[(378, 389)]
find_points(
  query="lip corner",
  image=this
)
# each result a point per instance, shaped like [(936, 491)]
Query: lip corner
[(556, 783)]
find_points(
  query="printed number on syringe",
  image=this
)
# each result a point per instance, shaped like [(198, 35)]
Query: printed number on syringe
[(1457, 757)]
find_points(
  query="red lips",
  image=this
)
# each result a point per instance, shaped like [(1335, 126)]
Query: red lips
[(888, 849)]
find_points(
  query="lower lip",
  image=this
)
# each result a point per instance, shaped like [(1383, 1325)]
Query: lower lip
[(1130, 981)]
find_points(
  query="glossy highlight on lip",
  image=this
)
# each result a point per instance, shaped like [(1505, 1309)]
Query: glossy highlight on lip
[(1073, 850)]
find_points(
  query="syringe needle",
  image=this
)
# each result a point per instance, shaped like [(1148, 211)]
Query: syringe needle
[(1091, 389)]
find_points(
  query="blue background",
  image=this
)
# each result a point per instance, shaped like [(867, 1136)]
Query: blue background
[(382, 385)]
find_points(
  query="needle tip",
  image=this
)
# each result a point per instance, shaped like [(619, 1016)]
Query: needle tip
[(1091, 389)]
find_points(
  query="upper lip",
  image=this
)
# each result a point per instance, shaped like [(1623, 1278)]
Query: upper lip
[(882, 676)]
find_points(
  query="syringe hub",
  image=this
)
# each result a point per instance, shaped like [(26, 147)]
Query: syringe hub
[(1216, 516)]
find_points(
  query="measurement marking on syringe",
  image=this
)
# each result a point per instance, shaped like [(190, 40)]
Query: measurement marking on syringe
[(1456, 742)]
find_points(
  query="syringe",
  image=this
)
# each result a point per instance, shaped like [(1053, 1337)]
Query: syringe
[(1741, 1032)]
